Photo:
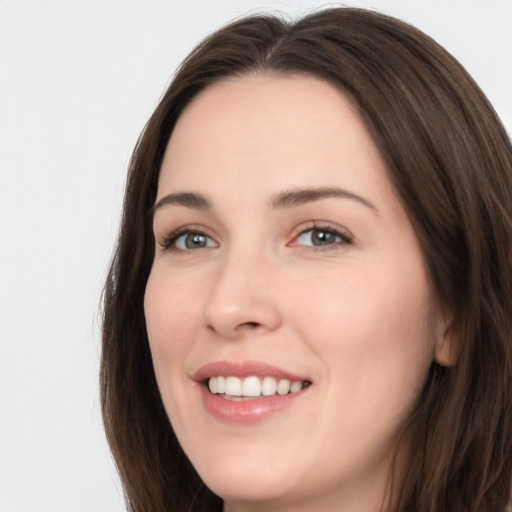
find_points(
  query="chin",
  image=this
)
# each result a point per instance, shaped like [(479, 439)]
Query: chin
[(250, 482)]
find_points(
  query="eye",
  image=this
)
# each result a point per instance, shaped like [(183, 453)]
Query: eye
[(322, 238), (187, 240)]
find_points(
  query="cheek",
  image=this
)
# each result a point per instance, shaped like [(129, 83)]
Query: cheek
[(366, 309), (372, 332), (170, 304), (171, 322)]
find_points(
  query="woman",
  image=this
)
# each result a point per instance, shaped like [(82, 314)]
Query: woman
[(309, 307)]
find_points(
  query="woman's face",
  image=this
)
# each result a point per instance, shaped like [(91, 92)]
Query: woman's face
[(285, 259)]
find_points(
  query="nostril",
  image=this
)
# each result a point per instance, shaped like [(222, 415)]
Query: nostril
[(244, 326), (250, 324)]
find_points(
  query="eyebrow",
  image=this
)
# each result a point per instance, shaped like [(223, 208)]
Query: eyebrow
[(285, 199), (186, 199), (299, 196)]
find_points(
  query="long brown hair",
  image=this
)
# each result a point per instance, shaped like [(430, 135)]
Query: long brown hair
[(450, 161)]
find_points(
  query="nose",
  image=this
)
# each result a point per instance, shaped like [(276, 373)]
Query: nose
[(242, 299)]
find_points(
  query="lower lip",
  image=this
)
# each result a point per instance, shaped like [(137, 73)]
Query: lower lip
[(246, 412)]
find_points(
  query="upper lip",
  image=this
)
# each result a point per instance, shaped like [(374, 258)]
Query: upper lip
[(244, 369)]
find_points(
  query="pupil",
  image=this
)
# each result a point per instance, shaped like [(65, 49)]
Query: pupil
[(195, 241), (323, 238)]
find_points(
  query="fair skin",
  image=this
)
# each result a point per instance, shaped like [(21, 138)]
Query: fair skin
[(327, 287)]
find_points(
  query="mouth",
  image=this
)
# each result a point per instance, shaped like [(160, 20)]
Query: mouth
[(248, 392), (253, 387)]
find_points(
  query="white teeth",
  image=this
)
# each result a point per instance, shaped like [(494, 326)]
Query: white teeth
[(233, 386), (253, 386), (283, 387), (269, 386), (294, 386), (212, 385), (221, 384)]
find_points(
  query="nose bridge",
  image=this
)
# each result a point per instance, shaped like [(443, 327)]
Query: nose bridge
[(241, 298)]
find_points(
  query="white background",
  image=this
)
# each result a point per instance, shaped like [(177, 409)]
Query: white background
[(78, 80)]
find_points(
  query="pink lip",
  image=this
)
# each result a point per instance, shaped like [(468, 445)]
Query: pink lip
[(243, 369), (244, 412)]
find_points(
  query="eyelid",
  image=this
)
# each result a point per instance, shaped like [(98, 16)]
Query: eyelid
[(344, 234), (166, 242)]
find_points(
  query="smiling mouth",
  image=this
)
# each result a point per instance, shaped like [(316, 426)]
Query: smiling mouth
[(252, 387)]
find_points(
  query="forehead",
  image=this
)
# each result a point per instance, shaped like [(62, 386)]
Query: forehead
[(282, 130)]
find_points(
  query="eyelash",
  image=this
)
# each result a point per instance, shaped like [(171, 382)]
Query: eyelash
[(168, 243), (344, 237)]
